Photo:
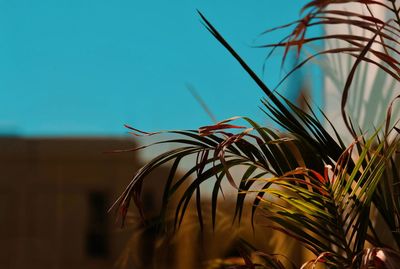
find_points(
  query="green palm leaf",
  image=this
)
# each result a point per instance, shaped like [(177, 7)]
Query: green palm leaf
[(329, 214)]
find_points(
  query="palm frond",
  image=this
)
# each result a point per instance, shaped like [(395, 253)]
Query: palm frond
[(259, 150), (287, 173), (370, 39), (329, 215), (221, 150)]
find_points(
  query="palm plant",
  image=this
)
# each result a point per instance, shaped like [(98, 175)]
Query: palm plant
[(336, 199)]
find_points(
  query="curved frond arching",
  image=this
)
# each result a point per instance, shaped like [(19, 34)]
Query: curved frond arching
[(329, 214)]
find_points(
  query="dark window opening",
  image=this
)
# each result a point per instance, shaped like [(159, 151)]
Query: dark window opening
[(97, 245)]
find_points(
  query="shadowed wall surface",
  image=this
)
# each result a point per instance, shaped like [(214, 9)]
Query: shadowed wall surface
[(54, 197)]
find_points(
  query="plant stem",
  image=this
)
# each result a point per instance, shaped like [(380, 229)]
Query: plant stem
[(396, 11)]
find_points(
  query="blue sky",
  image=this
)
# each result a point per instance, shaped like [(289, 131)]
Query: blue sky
[(78, 67)]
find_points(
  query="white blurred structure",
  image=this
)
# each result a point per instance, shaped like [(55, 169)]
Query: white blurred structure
[(372, 89)]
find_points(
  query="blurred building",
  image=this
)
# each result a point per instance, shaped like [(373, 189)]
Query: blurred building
[(372, 89), (54, 197)]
